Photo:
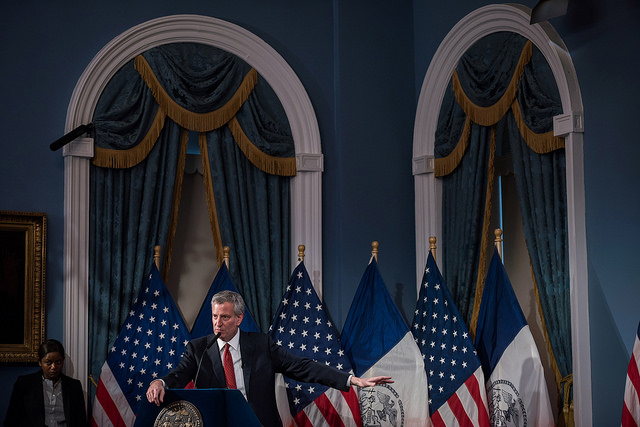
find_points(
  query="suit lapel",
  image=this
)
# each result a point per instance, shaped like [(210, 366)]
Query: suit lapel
[(213, 354), (247, 350)]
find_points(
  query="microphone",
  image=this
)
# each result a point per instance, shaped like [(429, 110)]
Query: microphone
[(64, 140), (215, 338)]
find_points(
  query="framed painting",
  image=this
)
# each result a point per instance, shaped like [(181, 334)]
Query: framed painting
[(23, 256)]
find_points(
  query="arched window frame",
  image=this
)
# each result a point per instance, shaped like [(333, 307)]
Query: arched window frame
[(428, 194), (306, 186)]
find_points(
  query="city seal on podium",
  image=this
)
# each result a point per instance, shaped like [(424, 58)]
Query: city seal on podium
[(179, 413)]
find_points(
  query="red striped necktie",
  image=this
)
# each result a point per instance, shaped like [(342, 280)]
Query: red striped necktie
[(229, 374)]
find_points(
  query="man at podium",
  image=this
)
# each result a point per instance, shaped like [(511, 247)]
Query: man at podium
[(247, 361)]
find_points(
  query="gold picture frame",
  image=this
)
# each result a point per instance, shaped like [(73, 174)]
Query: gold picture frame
[(23, 260)]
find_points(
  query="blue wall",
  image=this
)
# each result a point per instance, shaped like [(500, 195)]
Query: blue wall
[(362, 64)]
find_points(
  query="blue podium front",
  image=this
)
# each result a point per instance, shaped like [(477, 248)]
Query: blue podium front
[(214, 407)]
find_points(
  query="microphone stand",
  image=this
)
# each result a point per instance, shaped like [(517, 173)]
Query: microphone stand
[(215, 338)]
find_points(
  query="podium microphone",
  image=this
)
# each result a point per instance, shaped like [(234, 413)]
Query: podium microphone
[(215, 338)]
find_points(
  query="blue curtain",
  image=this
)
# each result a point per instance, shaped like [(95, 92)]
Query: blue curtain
[(142, 120), (503, 96)]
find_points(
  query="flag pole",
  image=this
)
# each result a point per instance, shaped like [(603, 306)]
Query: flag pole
[(300, 253), (374, 249), (498, 241), (157, 249), (225, 255), (432, 246)]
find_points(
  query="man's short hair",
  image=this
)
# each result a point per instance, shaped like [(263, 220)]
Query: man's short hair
[(229, 296)]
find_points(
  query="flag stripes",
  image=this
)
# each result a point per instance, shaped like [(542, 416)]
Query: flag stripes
[(631, 406), (111, 406)]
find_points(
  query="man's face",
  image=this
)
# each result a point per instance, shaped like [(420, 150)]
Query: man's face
[(225, 320)]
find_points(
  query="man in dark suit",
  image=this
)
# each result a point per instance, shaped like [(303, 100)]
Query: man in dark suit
[(255, 359), (33, 393)]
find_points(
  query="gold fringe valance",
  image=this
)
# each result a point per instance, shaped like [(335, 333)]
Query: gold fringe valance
[(489, 116), (199, 122), (282, 166), (446, 165), (120, 159), (540, 143)]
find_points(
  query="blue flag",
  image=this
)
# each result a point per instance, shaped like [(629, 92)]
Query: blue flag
[(150, 344), (378, 342), (222, 282), (456, 383), (516, 387), (302, 326)]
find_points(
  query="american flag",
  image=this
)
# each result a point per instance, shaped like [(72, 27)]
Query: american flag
[(150, 344), (302, 326), (457, 393), (631, 406)]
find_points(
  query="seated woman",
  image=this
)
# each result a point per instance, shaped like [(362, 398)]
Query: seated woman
[(47, 397)]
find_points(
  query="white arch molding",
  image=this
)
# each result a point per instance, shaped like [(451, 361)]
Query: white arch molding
[(306, 189), (481, 22)]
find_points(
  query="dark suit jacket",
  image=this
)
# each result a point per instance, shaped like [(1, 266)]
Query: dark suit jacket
[(26, 407), (261, 360)]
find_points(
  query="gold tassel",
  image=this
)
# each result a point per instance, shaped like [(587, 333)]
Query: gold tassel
[(281, 166), (446, 165), (567, 407), (122, 159), (540, 143), (200, 122), (211, 200), (482, 266), (489, 116), (177, 196)]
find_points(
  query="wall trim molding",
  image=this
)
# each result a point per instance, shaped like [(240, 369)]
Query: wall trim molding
[(477, 24), (306, 186)]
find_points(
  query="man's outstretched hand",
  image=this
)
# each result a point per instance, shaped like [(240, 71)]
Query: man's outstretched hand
[(370, 382)]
